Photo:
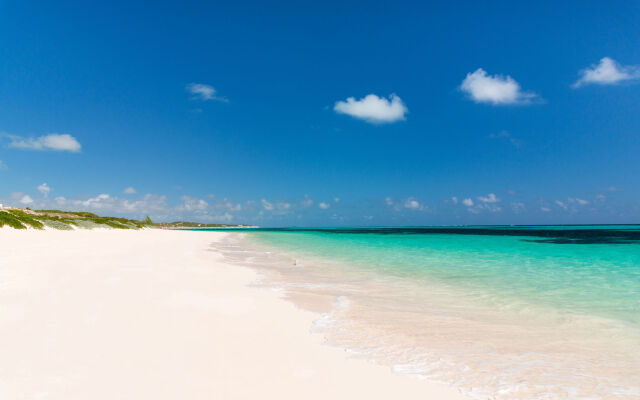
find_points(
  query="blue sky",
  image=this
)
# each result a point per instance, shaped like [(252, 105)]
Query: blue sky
[(323, 113)]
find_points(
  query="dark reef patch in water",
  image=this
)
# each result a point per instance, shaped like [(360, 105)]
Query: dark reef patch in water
[(618, 234)]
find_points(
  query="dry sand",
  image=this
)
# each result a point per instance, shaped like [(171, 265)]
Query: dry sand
[(154, 314)]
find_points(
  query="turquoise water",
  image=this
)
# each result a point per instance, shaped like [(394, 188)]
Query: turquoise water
[(598, 278), (500, 312)]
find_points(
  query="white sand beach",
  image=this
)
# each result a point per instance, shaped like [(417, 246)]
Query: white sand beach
[(154, 314)]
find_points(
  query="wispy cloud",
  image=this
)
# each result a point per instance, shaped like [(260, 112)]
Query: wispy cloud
[(277, 208), (188, 209), (607, 72), (267, 205), (373, 109), (129, 190), (3, 166), (576, 200), (204, 92), (571, 203), (495, 89), (26, 200), (54, 141), (517, 207), (485, 203), (324, 205), (44, 189), (192, 204), (504, 135), (490, 198), (306, 202)]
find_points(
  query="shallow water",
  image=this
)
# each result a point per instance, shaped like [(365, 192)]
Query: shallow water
[(499, 312)]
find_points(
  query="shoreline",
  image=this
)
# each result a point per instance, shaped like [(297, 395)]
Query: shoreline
[(106, 314), (486, 343)]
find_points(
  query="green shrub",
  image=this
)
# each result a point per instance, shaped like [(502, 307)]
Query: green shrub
[(27, 218), (10, 220)]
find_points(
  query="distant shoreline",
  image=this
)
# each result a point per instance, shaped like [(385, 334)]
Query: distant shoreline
[(209, 228)]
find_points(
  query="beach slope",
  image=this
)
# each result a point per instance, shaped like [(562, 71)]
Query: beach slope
[(155, 314)]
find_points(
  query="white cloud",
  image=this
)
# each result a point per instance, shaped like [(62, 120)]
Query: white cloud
[(101, 201), (202, 91), (571, 203), (3, 166), (467, 202), (129, 190), (607, 72), (192, 204), (277, 208), (454, 200), (490, 198), (545, 209), (44, 189), (388, 201), (413, 204), (336, 199), (54, 141), (324, 205), (26, 199), (373, 109), (495, 89)]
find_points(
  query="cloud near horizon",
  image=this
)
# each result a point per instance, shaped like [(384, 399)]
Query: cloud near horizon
[(495, 89), (413, 204), (373, 109), (490, 198), (44, 189), (607, 72), (53, 141)]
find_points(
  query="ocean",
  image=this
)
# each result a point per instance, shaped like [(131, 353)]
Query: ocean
[(532, 312)]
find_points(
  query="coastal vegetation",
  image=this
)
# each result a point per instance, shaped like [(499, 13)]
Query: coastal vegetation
[(24, 218), (64, 220)]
